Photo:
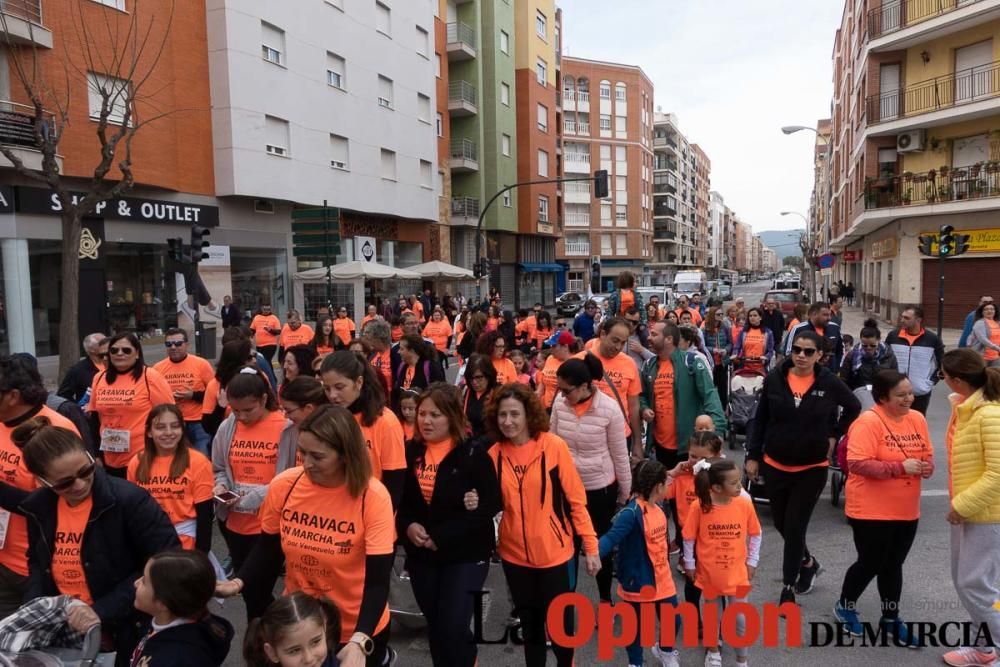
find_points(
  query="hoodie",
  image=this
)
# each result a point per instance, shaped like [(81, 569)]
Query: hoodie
[(204, 643)]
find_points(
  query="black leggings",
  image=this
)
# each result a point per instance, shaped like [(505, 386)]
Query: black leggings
[(601, 505), (240, 546), (445, 595), (268, 352), (793, 496), (720, 376), (921, 403), (533, 590), (882, 548)]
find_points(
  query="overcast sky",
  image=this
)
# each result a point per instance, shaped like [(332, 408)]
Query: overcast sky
[(734, 72)]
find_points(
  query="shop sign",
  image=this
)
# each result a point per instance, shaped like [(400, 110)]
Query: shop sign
[(885, 248), (852, 255), (364, 248), (980, 240), (136, 209)]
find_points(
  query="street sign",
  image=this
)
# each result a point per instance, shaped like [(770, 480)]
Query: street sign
[(333, 225), (316, 253), (320, 213), (315, 239), (825, 261), (852, 255)]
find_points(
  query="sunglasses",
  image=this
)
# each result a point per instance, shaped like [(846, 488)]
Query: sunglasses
[(121, 350), (865, 346), (805, 351), (174, 343), (66, 484)]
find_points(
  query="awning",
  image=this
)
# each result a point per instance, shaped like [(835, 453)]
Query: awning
[(542, 267)]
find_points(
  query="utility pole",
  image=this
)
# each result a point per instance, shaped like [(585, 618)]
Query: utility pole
[(949, 244)]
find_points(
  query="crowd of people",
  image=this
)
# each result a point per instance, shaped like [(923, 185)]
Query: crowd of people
[(560, 448)]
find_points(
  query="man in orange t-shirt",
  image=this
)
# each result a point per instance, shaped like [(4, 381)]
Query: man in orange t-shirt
[(266, 328), (343, 326), (188, 376), (295, 333)]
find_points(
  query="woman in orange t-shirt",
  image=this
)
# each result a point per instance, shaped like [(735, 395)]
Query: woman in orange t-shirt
[(178, 477), (330, 522), (985, 337), (439, 331), (493, 345), (343, 326), (543, 328), (325, 340), (889, 453), (545, 380), (754, 346)]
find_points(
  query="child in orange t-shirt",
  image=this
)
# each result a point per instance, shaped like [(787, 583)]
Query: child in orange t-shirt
[(408, 412), (520, 362), (722, 538), (640, 533)]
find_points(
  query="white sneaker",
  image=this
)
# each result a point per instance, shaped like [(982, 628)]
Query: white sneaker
[(666, 658), (713, 659), (741, 664)]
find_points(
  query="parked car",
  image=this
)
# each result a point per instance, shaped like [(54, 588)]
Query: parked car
[(662, 292), (787, 299), (568, 304), (601, 300), (726, 291)]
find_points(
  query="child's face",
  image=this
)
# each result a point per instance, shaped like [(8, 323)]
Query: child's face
[(409, 409), (703, 423), (302, 645), (699, 452), (145, 597), (518, 362), (730, 485)]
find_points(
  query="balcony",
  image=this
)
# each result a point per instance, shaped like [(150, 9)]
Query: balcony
[(17, 131), (461, 42), (583, 128), (464, 211), (22, 23), (963, 95), (578, 193), (577, 249), (578, 163), (901, 24), (462, 99), (464, 156), (569, 126)]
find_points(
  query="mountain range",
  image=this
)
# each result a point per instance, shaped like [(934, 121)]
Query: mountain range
[(784, 242)]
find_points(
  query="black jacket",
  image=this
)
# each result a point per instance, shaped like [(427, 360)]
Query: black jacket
[(426, 372), (204, 643), (797, 436), (78, 379), (461, 536), (775, 322), (231, 316), (860, 369)]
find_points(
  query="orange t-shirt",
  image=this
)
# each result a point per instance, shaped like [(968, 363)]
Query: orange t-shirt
[(123, 408), (994, 328), (67, 568), (695, 315), (262, 338), (665, 423), (492, 323), (301, 336), (439, 332), (654, 525), (344, 329), (627, 301), (323, 350), (521, 456), (418, 310), (427, 473), (681, 489), (794, 323), (754, 341), (191, 374), (408, 374), (542, 335), (591, 345), (382, 361), (384, 440), (879, 436), (505, 371), (549, 383), (408, 430), (13, 471), (720, 537), (326, 534), (397, 334), (625, 376), (253, 457), (177, 495), (211, 401), (366, 319), (581, 408), (526, 327)]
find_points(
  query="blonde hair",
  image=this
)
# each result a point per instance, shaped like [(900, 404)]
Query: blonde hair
[(336, 428)]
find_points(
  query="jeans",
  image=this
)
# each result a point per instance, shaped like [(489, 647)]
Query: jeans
[(444, 594), (199, 437), (793, 497), (533, 590), (882, 548), (635, 649)]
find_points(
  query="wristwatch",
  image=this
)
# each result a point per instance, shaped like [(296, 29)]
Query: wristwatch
[(364, 641)]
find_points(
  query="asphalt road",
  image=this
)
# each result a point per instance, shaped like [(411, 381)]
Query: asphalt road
[(928, 594)]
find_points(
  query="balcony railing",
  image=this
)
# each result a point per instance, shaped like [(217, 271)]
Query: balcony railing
[(950, 90), (578, 249), (582, 97), (581, 158), (29, 10), (569, 126), (978, 181), (465, 207), (17, 124), (895, 15), (465, 149), (461, 33), (583, 128), (573, 220), (569, 95), (462, 91)]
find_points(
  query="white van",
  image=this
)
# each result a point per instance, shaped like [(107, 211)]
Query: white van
[(687, 283)]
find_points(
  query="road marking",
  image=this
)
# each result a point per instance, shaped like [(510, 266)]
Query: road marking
[(934, 492)]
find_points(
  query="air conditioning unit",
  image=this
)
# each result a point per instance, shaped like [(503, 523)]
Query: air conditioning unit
[(910, 142), (263, 206)]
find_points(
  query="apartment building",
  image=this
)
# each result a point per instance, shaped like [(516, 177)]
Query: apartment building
[(916, 144), (702, 169), (819, 230), (744, 248), (607, 124), (441, 235)]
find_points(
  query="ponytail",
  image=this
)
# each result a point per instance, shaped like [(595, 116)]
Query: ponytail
[(708, 473), (580, 372), (870, 329), (968, 365)]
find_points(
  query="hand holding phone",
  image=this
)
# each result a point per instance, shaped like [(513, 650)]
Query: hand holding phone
[(227, 497)]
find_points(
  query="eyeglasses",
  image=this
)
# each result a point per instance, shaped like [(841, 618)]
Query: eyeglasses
[(174, 343), (290, 411), (65, 484), (805, 351), (121, 350)]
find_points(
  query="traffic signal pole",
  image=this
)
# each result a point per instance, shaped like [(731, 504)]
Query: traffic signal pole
[(940, 319), (949, 244)]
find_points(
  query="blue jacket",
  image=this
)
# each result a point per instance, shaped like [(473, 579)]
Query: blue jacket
[(583, 326), (632, 565), (970, 319)]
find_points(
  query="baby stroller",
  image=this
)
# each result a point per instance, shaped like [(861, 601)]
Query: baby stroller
[(838, 462), (88, 655), (745, 385)]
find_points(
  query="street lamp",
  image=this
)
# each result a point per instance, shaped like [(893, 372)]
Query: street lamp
[(792, 129)]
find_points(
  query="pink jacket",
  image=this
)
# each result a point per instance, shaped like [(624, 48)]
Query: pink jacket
[(597, 442)]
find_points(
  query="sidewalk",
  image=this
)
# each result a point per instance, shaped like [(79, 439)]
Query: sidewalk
[(854, 318)]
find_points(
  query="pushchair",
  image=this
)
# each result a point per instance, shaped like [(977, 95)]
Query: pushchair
[(89, 655), (838, 462), (745, 385)]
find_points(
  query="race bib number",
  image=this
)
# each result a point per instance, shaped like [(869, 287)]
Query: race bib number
[(115, 440), (4, 522)]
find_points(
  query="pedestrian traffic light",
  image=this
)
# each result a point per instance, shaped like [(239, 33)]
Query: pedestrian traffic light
[(175, 249), (946, 242), (961, 244), (601, 184), (927, 245), (198, 241)]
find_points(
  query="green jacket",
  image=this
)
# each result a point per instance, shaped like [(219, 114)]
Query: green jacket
[(694, 394)]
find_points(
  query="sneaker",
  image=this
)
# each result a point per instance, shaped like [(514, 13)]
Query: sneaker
[(674, 548), (666, 658), (741, 663), (969, 657), (807, 577), (192, 313), (513, 621), (787, 595), (898, 631), (713, 659), (213, 310), (404, 575), (849, 619)]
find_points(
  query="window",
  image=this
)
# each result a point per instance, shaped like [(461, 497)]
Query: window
[(424, 108), (541, 25), (272, 43), (335, 67), (426, 174), (339, 152), (543, 209), (605, 122), (437, 65), (620, 124), (383, 19), (440, 124), (887, 162), (384, 92), (605, 214), (117, 4), (276, 141), (621, 245), (506, 199), (388, 170), (543, 163), (423, 43), (605, 90), (115, 91), (620, 153), (505, 144), (543, 118), (605, 244), (621, 185), (621, 212), (542, 72), (504, 43), (504, 94), (620, 92)]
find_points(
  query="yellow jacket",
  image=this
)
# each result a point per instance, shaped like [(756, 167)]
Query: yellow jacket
[(974, 458)]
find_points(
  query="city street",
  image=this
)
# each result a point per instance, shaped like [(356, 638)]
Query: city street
[(928, 592)]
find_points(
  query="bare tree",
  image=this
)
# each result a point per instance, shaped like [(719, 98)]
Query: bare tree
[(125, 71)]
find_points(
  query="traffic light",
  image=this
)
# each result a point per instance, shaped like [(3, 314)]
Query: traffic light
[(946, 242), (961, 244), (927, 245), (175, 249), (198, 241), (601, 184)]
